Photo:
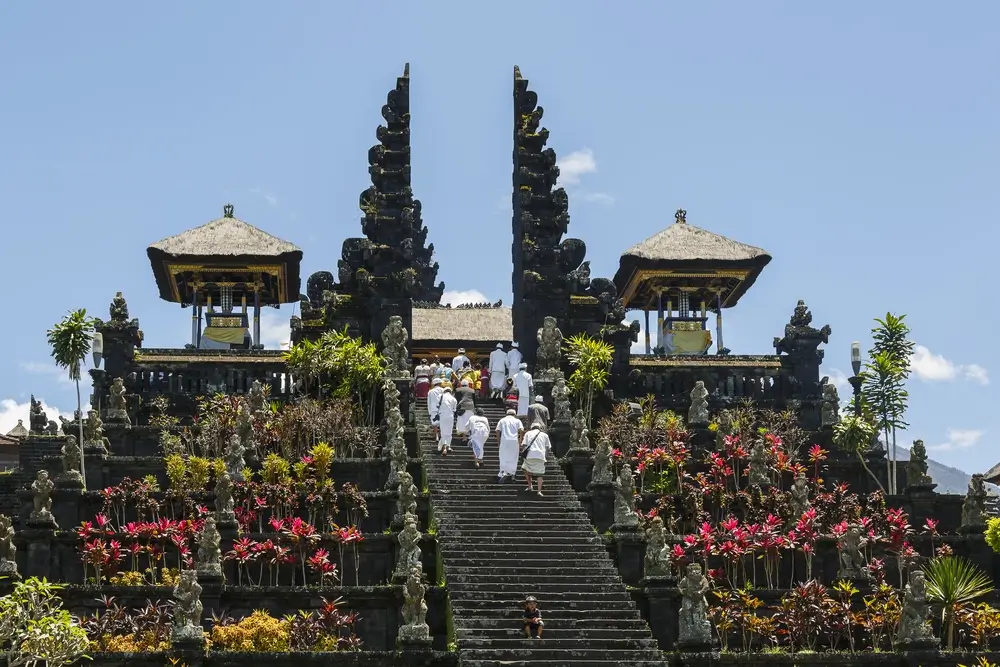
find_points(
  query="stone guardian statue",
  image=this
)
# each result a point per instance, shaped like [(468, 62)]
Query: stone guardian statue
[(209, 550), (974, 507), (549, 354), (698, 412), (409, 548), (914, 627), (407, 502), (71, 459), (601, 473), (414, 628), (656, 543), (117, 407), (41, 499), (852, 558), (625, 499), (187, 610), (8, 550), (560, 401), (693, 628)]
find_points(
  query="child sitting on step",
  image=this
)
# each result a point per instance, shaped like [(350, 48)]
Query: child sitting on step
[(532, 618)]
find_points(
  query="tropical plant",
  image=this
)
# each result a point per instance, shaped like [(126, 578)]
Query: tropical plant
[(993, 534), (70, 340), (954, 581), (35, 628), (884, 381), (853, 434), (591, 361)]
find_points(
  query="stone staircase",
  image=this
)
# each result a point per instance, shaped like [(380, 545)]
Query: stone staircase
[(499, 543)]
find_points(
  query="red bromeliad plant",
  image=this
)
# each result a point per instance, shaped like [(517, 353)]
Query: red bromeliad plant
[(103, 546), (352, 536)]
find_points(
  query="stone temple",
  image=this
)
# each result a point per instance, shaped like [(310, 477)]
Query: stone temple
[(289, 531)]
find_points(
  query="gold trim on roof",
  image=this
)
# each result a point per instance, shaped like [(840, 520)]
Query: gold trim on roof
[(159, 359), (764, 362), (639, 276), (276, 270)]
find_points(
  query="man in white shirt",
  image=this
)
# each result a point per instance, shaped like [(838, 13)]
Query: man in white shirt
[(509, 430), (514, 359), (525, 386), (537, 444), (460, 360), (498, 371), (446, 420), (434, 403)]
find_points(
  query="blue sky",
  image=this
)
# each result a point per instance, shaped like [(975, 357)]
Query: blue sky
[(856, 142)]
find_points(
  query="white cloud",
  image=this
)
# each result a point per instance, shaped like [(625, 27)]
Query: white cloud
[(11, 411), (931, 367), (639, 347), (459, 297), (49, 368), (960, 438), (598, 198), (575, 165), (275, 331), (266, 195)]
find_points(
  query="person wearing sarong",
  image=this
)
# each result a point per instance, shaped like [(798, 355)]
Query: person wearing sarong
[(524, 383), (536, 446), (466, 397), (422, 375), (509, 431), (510, 395), (484, 381), (498, 371), (538, 414), (446, 420), (514, 359), (434, 402), (460, 360), (479, 429)]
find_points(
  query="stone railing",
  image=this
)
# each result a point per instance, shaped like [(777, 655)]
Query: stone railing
[(204, 372), (763, 378)]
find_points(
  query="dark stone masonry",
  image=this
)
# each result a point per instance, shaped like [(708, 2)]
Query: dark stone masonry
[(240, 505)]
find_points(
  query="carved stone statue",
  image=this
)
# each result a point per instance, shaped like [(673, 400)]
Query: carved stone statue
[(117, 409), (758, 469), (414, 628), (256, 399), (71, 458), (395, 442), (93, 430), (974, 507), (37, 419), (209, 550), (188, 610), (577, 431), (409, 547), (407, 502), (852, 558), (914, 626), (549, 354), (118, 309), (625, 499), (830, 411), (601, 473), (798, 497), (8, 550), (234, 458), (693, 628), (53, 429), (560, 401), (726, 426), (394, 340), (916, 467), (41, 490), (656, 541), (224, 499), (698, 412)]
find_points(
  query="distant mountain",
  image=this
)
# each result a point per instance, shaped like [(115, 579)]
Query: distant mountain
[(948, 479)]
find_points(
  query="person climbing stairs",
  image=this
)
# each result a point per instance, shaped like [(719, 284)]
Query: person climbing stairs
[(499, 544)]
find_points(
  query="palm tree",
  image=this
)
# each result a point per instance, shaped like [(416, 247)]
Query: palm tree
[(70, 340), (954, 581)]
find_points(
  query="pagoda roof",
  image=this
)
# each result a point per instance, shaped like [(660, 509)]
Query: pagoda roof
[(683, 247), (225, 243), (482, 325), (992, 475), (18, 431)]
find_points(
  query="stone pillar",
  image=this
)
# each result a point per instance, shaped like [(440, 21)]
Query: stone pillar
[(630, 548), (602, 505), (559, 437), (662, 604), (801, 359), (579, 465), (38, 540)]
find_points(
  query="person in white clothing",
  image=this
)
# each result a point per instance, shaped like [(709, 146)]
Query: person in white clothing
[(479, 433), (514, 359), (434, 402), (509, 430), (536, 446), (498, 371), (460, 360), (525, 386), (446, 420)]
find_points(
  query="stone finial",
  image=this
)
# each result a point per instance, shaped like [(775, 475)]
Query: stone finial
[(698, 412), (37, 419), (409, 547), (8, 550), (916, 467), (118, 310), (227, 211), (680, 217), (188, 610), (693, 627), (830, 409), (394, 340)]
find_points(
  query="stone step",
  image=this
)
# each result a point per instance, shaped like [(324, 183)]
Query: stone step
[(541, 579), (576, 662), (532, 573), (515, 543), (473, 611), (552, 631), (536, 650), (578, 644), (513, 596), (539, 588), (559, 621), (521, 533), (481, 563)]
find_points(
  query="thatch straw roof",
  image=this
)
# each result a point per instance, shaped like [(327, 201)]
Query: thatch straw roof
[(682, 242), (489, 325), (227, 236), (992, 475), (18, 431)]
